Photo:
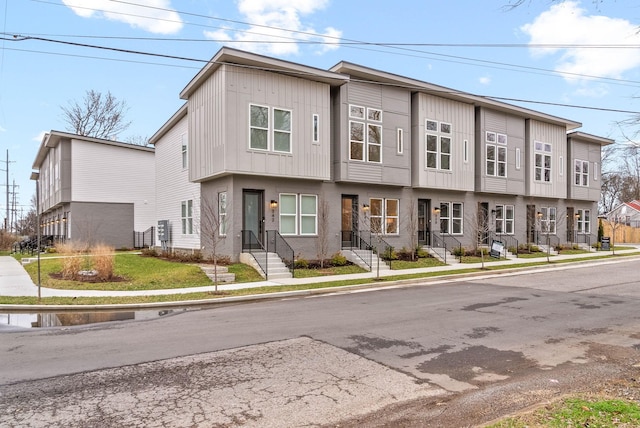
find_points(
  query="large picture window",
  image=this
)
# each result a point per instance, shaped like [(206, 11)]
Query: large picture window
[(451, 218), (438, 145), (187, 217), (581, 174), (298, 214), (542, 162), (270, 129), (505, 218), (384, 216)]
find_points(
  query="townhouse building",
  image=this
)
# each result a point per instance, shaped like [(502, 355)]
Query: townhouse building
[(280, 154), (93, 190)]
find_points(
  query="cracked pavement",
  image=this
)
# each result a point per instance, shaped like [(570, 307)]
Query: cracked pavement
[(301, 381)]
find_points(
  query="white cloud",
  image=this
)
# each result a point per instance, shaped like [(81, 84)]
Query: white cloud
[(2, 129), (277, 26), (154, 16), (485, 80), (566, 23), (38, 138)]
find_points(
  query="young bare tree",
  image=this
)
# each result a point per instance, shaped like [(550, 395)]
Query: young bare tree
[(322, 243), (412, 226), (482, 228), (98, 115), (213, 227)]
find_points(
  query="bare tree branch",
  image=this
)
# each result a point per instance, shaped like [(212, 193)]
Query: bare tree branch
[(99, 116)]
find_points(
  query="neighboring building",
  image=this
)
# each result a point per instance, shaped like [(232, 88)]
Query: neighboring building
[(627, 213), (94, 190), (326, 159)]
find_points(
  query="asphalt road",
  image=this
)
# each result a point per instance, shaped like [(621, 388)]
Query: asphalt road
[(324, 359)]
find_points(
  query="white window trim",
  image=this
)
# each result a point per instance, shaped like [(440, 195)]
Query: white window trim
[(363, 142), (369, 143), (260, 128), (274, 130), (518, 163), (315, 128), (370, 110), (186, 218), (184, 151), (583, 178), (358, 107), (315, 215), (546, 220), (497, 162), (222, 214), (384, 215), (596, 172), (544, 153), (400, 141), (505, 220), (288, 215), (451, 218), (439, 153)]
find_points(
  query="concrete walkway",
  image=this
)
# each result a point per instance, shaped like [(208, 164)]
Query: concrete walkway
[(14, 280)]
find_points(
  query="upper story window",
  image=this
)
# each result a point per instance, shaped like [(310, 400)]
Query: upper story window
[(542, 162), (581, 173), (270, 129), (399, 141), (315, 128), (365, 137), (438, 145), (496, 154), (185, 162)]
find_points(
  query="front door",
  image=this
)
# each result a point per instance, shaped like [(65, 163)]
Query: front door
[(349, 220), (252, 218), (424, 222)]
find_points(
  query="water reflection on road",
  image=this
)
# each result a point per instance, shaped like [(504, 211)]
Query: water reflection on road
[(65, 319)]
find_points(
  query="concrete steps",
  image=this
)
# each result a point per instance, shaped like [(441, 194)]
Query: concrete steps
[(362, 258), (222, 275), (276, 269)]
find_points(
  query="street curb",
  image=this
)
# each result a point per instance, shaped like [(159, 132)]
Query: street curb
[(373, 286)]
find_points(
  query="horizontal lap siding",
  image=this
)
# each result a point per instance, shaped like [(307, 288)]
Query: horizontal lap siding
[(173, 186), (106, 173)]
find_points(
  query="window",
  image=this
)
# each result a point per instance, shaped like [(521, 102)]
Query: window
[(384, 216), (581, 173), (365, 139), (465, 154), (315, 129), (518, 158), (548, 220), (505, 218), (496, 161), (187, 217), (185, 161), (542, 162), (595, 171), (496, 155), (261, 127), (584, 222), (298, 214), (451, 215), (438, 145), (400, 140), (222, 213)]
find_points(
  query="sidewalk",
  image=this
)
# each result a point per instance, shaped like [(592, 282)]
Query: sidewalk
[(14, 280)]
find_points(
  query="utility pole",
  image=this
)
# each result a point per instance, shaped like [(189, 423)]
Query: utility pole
[(13, 219), (7, 219)]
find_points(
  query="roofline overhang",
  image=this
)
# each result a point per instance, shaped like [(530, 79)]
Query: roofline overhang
[(53, 138), (235, 57), (169, 124), (591, 138), (372, 75)]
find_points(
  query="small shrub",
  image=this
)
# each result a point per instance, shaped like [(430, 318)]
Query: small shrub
[(389, 254), (301, 263), (421, 253), (221, 260), (338, 260), (459, 251), (149, 252), (72, 261)]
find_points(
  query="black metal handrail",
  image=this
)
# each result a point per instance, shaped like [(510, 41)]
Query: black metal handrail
[(381, 247), (549, 240), (144, 239), (355, 241), (277, 244), (438, 242), (509, 240), (252, 245), (452, 242), (576, 237)]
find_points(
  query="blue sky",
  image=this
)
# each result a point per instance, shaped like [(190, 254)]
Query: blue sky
[(567, 53)]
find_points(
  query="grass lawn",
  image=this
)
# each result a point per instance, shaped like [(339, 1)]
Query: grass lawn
[(422, 262), (137, 273)]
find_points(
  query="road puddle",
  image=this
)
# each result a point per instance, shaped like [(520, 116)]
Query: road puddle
[(67, 319)]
